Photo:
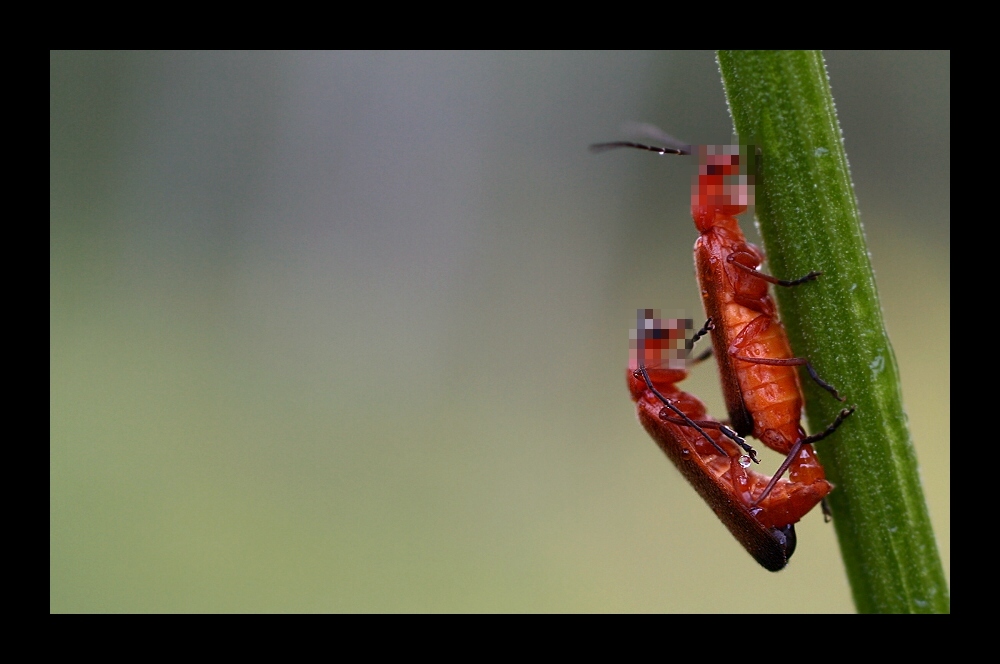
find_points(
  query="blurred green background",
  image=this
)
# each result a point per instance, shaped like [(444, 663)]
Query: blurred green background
[(347, 331)]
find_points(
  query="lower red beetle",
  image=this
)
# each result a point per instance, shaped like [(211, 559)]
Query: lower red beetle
[(704, 450)]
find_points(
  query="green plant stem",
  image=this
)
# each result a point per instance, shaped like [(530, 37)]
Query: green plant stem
[(808, 219)]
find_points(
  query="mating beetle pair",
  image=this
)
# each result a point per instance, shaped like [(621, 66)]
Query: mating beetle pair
[(756, 366)]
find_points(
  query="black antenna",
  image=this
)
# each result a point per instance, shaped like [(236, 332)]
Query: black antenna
[(603, 147)]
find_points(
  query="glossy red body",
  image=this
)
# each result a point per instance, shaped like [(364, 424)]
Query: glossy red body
[(763, 400), (730, 488)]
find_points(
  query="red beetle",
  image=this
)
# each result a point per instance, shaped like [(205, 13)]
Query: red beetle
[(708, 456)]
